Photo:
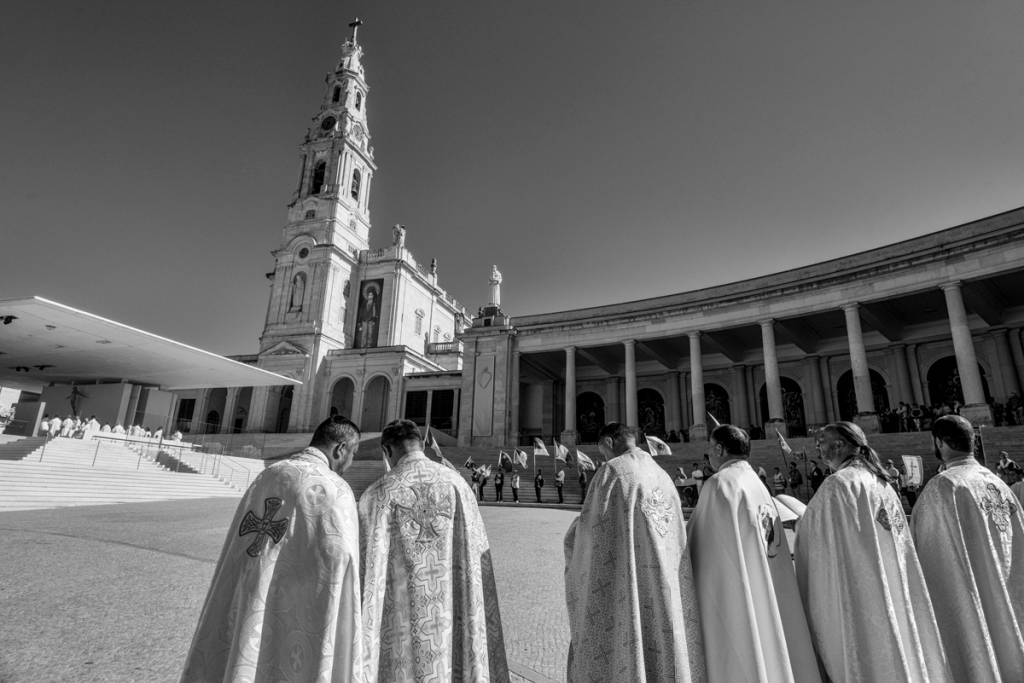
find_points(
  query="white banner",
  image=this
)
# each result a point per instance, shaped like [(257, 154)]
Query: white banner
[(914, 465)]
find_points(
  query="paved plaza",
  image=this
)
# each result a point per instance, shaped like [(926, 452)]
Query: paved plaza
[(113, 593)]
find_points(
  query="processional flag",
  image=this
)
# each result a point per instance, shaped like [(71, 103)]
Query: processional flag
[(583, 462), (538, 447), (432, 444), (505, 461), (657, 446), (521, 458), (560, 450)]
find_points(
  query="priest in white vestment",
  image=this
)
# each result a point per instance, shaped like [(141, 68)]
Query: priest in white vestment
[(284, 601), (430, 605), (867, 604), (970, 537), (751, 615), (628, 581)]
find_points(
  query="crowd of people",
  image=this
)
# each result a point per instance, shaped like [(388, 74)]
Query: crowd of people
[(401, 586), (74, 427)]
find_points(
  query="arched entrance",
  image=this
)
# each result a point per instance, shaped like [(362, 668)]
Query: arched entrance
[(847, 394), (375, 404), (792, 406), (650, 410), (716, 402), (589, 416), (242, 405), (216, 403), (341, 397), (944, 382), (284, 409)]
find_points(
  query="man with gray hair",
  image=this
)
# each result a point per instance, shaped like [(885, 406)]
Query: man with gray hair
[(430, 604), (628, 582), (969, 534), (284, 601)]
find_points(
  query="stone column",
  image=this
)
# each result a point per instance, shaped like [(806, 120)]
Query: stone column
[(699, 428), (906, 393), (915, 374), (227, 424), (513, 391), (825, 373), (975, 408), (673, 420), (1007, 370), (740, 414), (753, 398), (202, 400), (773, 382), (631, 414), (569, 435), (613, 404), (258, 409), (818, 414), (1017, 352), (865, 417), (685, 401)]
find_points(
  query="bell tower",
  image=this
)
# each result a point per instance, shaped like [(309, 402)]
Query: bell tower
[(328, 217)]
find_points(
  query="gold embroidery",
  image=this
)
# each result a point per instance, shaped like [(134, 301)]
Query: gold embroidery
[(658, 511)]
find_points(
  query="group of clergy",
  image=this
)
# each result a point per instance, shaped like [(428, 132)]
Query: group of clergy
[(872, 596), (310, 587)]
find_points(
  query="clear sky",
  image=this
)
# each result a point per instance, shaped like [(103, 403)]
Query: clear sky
[(596, 151)]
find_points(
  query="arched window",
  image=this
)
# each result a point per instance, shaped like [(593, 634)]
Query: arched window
[(319, 171), (311, 214), (359, 99), (357, 179), (337, 94)]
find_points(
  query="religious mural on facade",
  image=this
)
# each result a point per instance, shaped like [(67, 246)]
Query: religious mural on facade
[(368, 316)]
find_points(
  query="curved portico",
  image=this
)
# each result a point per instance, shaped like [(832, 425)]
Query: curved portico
[(770, 351)]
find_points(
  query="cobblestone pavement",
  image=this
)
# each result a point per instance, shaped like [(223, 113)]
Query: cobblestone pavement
[(113, 593)]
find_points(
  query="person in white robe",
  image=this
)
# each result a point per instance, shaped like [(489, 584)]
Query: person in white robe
[(867, 603), (628, 581), (970, 538), (284, 601), (751, 614), (430, 603)]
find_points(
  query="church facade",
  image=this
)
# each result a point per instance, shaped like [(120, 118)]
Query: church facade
[(932, 321), (351, 323)]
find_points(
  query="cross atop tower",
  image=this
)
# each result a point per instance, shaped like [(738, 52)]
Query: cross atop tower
[(354, 25)]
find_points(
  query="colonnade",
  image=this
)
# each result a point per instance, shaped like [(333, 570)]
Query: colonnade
[(907, 371)]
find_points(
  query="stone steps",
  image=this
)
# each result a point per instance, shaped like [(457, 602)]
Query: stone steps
[(17, 448), (66, 476)]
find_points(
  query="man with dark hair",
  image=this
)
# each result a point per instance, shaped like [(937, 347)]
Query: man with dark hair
[(815, 477), (285, 594), (746, 586), (430, 605), (628, 582), (538, 483), (970, 538)]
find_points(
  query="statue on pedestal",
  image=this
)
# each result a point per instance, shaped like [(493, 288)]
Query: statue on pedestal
[(399, 235), (495, 286)]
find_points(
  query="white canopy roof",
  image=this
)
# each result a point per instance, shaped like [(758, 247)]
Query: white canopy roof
[(42, 341)]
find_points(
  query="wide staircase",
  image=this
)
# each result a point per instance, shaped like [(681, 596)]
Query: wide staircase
[(36, 474)]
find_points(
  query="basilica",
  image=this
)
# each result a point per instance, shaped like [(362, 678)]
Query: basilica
[(929, 322)]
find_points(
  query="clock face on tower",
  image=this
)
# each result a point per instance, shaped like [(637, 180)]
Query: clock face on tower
[(328, 123)]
